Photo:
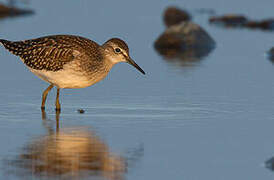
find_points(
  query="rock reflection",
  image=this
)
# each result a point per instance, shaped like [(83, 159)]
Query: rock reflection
[(68, 154), (188, 57)]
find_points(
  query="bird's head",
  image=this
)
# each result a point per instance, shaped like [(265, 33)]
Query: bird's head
[(116, 50)]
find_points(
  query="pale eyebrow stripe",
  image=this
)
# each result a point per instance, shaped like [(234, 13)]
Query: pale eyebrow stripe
[(124, 55)]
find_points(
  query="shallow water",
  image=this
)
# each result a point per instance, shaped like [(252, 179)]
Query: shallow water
[(210, 120)]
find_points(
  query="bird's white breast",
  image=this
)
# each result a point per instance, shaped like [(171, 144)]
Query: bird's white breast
[(68, 77)]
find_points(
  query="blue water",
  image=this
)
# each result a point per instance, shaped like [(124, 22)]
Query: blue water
[(212, 120)]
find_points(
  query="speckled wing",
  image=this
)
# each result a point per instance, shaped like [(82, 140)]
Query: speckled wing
[(49, 53)]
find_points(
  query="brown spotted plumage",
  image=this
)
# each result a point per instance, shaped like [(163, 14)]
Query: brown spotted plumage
[(68, 61), (50, 53)]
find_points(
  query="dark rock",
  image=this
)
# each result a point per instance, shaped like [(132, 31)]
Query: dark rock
[(183, 36), (6, 11), (81, 111), (270, 54), (242, 21), (229, 20), (270, 164), (186, 41), (267, 24), (174, 15)]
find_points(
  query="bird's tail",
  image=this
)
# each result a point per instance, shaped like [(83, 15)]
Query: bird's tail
[(15, 48)]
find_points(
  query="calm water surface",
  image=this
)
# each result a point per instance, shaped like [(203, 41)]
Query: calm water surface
[(211, 120)]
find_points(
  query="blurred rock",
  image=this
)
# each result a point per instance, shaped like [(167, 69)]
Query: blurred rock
[(233, 20), (81, 111), (184, 35), (186, 41), (174, 15), (229, 20), (270, 54), (6, 11), (270, 164), (267, 24)]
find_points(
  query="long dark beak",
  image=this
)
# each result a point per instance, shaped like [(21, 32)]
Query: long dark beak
[(130, 61)]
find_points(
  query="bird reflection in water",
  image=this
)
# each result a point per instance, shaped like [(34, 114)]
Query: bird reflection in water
[(74, 153)]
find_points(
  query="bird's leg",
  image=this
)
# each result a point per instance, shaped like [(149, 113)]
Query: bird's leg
[(44, 96), (57, 103)]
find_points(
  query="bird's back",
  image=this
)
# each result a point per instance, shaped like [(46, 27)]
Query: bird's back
[(51, 53)]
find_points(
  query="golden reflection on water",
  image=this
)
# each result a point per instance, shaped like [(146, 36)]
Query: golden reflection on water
[(69, 153)]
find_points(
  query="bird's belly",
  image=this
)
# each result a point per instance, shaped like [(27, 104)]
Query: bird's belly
[(65, 78)]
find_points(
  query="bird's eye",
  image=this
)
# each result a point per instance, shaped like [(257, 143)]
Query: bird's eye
[(117, 50)]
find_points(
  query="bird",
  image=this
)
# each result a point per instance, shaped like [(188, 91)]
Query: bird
[(69, 61)]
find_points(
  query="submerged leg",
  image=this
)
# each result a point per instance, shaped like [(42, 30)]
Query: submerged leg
[(44, 96), (57, 103), (57, 117), (44, 114)]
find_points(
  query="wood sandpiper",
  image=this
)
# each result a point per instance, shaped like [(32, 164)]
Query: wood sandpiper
[(68, 61)]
